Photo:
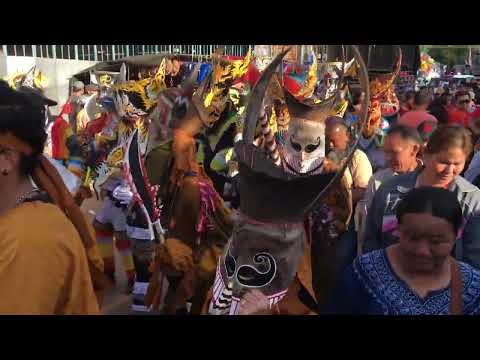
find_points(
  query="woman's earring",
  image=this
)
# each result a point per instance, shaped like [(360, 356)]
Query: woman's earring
[(4, 172)]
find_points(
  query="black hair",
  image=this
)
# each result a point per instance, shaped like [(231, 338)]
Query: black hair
[(407, 133), (336, 121), (356, 97), (421, 99), (444, 98), (409, 95), (25, 120), (458, 94), (447, 136), (438, 202)]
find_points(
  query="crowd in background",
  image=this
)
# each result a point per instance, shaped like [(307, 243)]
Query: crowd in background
[(414, 192), (429, 180)]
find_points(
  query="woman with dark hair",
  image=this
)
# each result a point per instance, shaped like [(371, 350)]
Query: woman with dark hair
[(416, 276), (439, 108), (45, 248), (444, 159), (408, 102)]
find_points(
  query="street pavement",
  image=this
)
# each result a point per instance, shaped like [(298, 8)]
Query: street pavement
[(116, 302)]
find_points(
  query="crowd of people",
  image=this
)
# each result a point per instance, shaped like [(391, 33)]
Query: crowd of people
[(368, 207)]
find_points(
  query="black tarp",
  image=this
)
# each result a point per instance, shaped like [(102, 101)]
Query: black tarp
[(381, 58)]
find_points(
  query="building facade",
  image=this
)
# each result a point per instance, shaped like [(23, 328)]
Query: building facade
[(115, 52), (60, 62)]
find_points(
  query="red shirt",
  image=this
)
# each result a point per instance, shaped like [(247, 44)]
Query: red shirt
[(414, 118), (476, 113), (457, 116), (404, 109)]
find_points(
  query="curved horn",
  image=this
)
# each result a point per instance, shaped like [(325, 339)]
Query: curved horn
[(256, 99), (383, 82), (398, 65), (350, 68), (364, 84), (339, 84)]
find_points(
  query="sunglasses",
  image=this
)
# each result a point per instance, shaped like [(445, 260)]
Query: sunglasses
[(466, 101)]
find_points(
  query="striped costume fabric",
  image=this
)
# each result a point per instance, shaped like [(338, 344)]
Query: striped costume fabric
[(269, 143)]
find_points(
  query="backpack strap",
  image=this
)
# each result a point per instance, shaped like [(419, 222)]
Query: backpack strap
[(456, 289)]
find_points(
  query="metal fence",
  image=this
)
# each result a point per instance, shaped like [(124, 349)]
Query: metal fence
[(114, 52)]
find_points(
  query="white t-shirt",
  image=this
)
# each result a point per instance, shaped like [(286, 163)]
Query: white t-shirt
[(358, 174)]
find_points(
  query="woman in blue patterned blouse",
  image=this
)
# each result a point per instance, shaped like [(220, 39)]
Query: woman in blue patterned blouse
[(414, 276)]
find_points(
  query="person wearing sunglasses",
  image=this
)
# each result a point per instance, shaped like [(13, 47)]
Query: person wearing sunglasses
[(460, 114)]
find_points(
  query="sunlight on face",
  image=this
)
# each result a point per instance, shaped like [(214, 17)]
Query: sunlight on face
[(444, 166), (399, 154), (425, 241)]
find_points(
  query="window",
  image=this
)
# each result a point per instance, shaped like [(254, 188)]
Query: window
[(28, 50), (71, 52), (18, 50), (49, 51), (80, 52), (111, 52), (62, 51)]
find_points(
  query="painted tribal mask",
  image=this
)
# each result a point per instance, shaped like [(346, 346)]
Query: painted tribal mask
[(304, 146)]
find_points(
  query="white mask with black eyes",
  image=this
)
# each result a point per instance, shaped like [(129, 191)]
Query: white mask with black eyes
[(304, 148)]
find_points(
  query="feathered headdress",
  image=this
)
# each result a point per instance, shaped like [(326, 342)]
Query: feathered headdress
[(33, 78), (224, 74), (138, 98)]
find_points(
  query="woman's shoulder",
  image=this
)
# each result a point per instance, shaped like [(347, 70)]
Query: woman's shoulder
[(471, 288), (467, 192), (370, 280), (369, 260), (354, 293), (41, 217), (465, 186), (359, 157), (370, 269), (39, 229)]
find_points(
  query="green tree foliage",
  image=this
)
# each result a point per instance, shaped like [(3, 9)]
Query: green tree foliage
[(448, 56)]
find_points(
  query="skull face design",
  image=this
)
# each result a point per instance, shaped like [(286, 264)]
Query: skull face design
[(304, 148)]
